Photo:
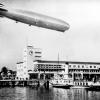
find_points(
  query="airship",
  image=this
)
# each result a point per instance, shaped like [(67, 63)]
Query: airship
[(33, 18)]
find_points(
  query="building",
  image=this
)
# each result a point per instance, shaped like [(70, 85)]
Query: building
[(21, 72), (30, 55), (33, 67), (48, 69), (84, 70)]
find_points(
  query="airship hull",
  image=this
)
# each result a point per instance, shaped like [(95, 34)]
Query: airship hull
[(35, 19)]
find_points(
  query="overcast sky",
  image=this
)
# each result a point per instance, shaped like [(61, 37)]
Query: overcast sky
[(80, 43)]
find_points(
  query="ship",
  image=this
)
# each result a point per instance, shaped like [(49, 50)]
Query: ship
[(61, 81)]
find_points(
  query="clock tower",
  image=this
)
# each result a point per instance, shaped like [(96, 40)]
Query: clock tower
[(31, 54)]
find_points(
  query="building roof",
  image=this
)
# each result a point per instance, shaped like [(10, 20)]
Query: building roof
[(19, 62), (79, 62), (48, 61), (67, 62)]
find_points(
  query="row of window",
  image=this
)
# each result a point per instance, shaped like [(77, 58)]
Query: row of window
[(48, 65), (81, 66), (51, 70), (73, 70)]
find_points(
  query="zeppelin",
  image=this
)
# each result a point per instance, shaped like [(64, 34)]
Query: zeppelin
[(32, 18)]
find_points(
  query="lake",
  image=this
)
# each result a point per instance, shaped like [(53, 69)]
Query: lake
[(26, 93)]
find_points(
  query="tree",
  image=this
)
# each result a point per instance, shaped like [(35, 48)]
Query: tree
[(4, 70)]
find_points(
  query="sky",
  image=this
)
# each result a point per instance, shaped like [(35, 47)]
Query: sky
[(80, 43)]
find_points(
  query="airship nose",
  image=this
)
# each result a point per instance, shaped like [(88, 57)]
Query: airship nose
[(67, 26)]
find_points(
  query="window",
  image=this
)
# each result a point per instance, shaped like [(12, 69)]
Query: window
[(94, 66), (74, 65), (78, 66), (38, 52), (90, 66), (69, 65)]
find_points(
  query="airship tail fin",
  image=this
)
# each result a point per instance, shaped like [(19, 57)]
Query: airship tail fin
[(2, 8), (1, 5)]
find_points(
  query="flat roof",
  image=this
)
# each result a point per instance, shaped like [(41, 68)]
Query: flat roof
[(19, 62), (67, 62), (50, 61)]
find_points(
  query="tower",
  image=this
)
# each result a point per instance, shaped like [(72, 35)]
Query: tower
[(30, 55)]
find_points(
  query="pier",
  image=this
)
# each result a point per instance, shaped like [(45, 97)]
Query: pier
[(30, 83)]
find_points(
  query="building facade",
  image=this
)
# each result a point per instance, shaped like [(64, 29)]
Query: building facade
[(48, 69), (30, 55), (33, 67), (88, 71)]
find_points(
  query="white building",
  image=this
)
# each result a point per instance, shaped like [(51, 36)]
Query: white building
[(84, 71), (34, 67), (21, 72), (30, 55), (48, 69)]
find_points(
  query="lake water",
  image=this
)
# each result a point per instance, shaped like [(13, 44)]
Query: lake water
[(26, 93)]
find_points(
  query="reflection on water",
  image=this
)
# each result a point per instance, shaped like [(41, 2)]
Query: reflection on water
[(71, 94), (25, 93)]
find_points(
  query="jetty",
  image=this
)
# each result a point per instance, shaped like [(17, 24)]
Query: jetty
[(30, 83)]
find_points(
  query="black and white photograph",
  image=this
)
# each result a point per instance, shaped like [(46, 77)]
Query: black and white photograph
[(49, 50)]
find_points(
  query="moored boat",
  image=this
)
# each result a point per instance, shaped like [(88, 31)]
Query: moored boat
[(61, 82), (94, 86), (79, 87)]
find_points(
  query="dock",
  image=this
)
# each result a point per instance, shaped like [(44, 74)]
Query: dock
[(30, 83)]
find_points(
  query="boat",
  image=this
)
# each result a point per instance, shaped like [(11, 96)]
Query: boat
[(61, 79), (80, 84), (94, 86), (79, 87), (33, 83), (61, 82)]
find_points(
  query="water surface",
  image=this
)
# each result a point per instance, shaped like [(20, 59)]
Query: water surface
[(26, 93)]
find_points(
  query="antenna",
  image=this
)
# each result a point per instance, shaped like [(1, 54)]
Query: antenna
[(58, 63), (58, 58)]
